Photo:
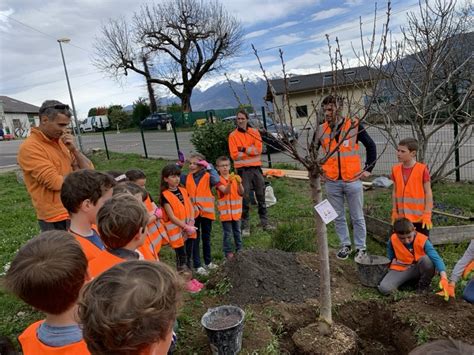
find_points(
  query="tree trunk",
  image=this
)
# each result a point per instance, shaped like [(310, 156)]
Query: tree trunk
[(186, 101), (325, 316), (151, 91)]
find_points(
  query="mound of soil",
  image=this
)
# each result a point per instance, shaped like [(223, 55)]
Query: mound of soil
[(258, 276)]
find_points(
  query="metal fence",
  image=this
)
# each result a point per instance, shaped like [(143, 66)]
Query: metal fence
[(165, 144)]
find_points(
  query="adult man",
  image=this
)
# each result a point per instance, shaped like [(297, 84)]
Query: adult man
[(245, 147), (339, 138), (46, 157)]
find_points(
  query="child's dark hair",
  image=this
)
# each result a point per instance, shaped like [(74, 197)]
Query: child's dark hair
[(117, 175), (410, 143), (221, 159), (6, 346), (129, 307), (135, 174), (120, 219), (130, 187), (84, 184), (48, 272), (169, 170), (403, 226)]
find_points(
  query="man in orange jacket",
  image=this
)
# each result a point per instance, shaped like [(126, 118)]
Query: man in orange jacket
[(245, 147), (339, 138), (46, 157)]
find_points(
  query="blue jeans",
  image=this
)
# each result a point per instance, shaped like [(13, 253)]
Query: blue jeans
[(204, 229), (231, 228), (468, 293), (337, 192)]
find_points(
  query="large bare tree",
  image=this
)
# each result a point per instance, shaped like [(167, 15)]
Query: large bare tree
[(181, 41), (431, 84)]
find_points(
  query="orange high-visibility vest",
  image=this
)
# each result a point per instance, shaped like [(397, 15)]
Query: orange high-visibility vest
[(183, 212), (155, 237), (103, 262), (230, 205), (252, 142), (403, 257), (345, 161), (31, 345), (201, 196), (90, 249), (410, 197)]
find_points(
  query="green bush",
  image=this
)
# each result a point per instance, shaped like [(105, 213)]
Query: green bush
[(211, 139), (294, 237)]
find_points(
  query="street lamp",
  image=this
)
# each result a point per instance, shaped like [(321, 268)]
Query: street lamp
[(77, 130)]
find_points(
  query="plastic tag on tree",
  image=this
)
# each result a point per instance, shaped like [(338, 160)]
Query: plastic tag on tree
[(326, 211)]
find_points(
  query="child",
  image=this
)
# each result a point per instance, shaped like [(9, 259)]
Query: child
[(48, 273), (229, 205), (83, 193), (131, 309), (413, 259), (156, 231), (412, 196), (463, 268), (201, 178), (156, 236), (122, 222)]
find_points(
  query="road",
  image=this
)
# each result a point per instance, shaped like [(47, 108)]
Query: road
[(162, 144)]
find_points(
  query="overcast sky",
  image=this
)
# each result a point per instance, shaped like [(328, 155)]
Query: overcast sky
[(32, 70)]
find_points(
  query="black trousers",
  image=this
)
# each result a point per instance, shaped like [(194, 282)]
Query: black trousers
[(252, 179)]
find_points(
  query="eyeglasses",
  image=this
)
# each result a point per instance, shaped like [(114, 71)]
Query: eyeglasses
[(57, 107)]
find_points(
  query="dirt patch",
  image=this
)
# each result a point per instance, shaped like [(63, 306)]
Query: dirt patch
[(435, 318), (379, 329), (342, 340), (258, 276)]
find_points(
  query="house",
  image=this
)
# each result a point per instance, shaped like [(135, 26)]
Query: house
[(17, 117), (306, 92)]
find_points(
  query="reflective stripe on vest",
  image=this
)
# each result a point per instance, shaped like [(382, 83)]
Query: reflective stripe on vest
[(183, 212), (346, 156), (230, 205), (201, 195), (410, 196), (248, 140), (403, 257)]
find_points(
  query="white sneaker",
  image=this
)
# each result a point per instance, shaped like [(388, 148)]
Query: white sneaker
[(211, 266), (201, 271)]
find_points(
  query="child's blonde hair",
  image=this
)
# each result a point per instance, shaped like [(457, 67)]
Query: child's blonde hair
[(129, 307), (120, 219)]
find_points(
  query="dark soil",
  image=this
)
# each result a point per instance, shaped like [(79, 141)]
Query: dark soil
[(224, 322), (380, 331), (261, 275)]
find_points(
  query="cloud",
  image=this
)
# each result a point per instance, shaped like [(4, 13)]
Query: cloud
[(284, 40), (260, 33), (325, 14), (353, 2), (256, 34), (286, 25)]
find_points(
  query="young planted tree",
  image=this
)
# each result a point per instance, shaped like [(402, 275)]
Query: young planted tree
[(430, 85), (372, 56), (173, 43)]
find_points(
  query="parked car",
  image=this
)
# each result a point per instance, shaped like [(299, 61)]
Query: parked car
[(93, 123), (157, 120), (272, 136)]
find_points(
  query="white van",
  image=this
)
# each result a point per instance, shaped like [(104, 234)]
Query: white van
[(93, 124)]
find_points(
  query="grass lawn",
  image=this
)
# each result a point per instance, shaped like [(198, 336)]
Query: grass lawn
[(293, 213)]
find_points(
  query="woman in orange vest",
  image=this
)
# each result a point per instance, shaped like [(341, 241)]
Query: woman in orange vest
[(342, 171), (412, 196), (413, 258), (199, 182), (230, 206)]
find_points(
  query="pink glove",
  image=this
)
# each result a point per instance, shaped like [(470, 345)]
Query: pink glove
[(191, 223), (204, 163), (158, 213), (189, 229)]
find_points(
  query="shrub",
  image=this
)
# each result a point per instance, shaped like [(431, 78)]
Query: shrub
[(211, 139), (294, 237)]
